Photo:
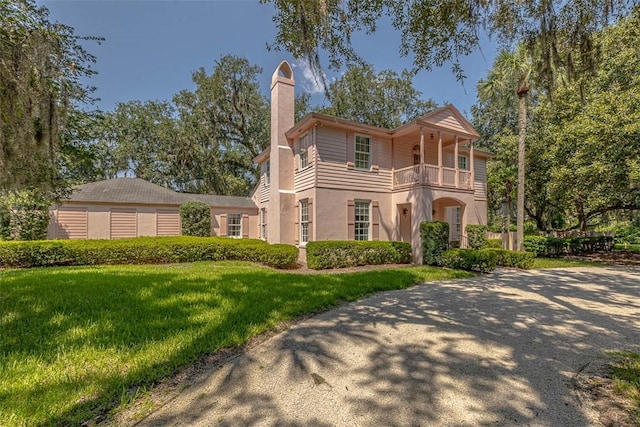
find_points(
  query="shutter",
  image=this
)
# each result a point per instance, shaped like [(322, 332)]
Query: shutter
[(124, 223), (375, 221), (296, 155), (71, 223), (310, 232), (351, 220), (374, 155), (296, 226), (350, 150), (223, 224), (245, 226), (168, 222)]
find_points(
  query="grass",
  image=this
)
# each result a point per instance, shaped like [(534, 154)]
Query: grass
[(78, 342), (626, 381), (562, 263)]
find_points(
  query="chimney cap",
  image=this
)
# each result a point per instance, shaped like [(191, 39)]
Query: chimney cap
[(283, 72)]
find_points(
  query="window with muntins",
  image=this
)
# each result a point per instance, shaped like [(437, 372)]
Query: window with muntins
[(234, 225), (263, 224), (267, 172), (458, 227), (304, 221), (362, 220), (463, 162), (362, 152), (304, 150)]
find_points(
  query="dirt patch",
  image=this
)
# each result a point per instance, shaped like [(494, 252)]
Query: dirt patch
[(613, 257)]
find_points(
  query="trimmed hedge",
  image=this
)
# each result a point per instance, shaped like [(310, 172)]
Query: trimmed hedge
[(482, 261), (494, 243), (145, 250), (341, 253), (514, 259), (435, 240), (476, 235), (555, 246), (486, 260)]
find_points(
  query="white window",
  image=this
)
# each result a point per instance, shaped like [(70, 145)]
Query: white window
[(304, 221), (362, 152), (362, 222), (457, 225), (263, 224), (267, 172), (305, 142), (234, 225), (463, 163)]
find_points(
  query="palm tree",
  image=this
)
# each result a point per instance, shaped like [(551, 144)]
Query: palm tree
[(513, 69)]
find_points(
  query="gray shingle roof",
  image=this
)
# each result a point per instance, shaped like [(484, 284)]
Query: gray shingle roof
[(138, 191)]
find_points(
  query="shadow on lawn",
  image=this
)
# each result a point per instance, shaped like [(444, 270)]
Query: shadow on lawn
[(130, 310), (480, 341)]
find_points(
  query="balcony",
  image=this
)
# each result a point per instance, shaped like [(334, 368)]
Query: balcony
[(435, 176)]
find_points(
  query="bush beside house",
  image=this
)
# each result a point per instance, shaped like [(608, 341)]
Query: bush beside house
[(476, 236), (342, 253), (555, 246), (145, 250), (195, 218), (435, 240)]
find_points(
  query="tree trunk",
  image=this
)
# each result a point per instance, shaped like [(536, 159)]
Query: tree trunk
[(522, 129)]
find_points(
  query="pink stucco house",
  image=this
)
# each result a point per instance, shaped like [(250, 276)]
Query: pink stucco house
[(325, 178)]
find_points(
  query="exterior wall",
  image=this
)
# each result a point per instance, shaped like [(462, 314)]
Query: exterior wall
[(219, 223), (335, 162), (99, 220), (480, 180), (331, 213)]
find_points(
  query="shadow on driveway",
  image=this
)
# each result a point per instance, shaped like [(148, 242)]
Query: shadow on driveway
[(500, 349)]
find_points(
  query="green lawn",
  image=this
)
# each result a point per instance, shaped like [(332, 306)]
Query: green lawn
[(562, 263), (626, 377), (76, 340)]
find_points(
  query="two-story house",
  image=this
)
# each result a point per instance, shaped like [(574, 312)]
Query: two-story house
[(325, 178)]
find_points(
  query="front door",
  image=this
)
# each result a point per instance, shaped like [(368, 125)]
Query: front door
[(404, 211)]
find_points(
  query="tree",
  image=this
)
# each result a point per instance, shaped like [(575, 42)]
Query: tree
[(41, 66), (437, 33), (383, 99), (513, 70), (223, 126)]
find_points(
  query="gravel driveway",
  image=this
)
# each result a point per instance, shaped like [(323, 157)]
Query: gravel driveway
[(501, 349)]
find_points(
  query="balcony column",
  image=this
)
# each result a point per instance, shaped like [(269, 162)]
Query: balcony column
[(472, 178), (455, 162), (422, 156), (439, 158)]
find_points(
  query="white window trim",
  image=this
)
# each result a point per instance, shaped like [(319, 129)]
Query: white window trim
[(369, 217), (267, 172), (304, 204), (307, 139), (355, 151), (229, 224), (263, 224)]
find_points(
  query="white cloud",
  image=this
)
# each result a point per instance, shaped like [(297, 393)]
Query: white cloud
[(311, 83)]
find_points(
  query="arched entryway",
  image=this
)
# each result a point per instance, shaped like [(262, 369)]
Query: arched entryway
[(452, 211)]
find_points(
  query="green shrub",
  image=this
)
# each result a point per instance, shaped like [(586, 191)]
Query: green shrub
[(494, 243), (24, 215), (195, 218), (477, 236), (435, 240), (536, 245), (343, 253), (482, 261), (506, 258), (145, 250)]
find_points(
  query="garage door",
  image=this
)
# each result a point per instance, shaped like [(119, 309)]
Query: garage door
[(168, 222), (71, 223), (124, 223)]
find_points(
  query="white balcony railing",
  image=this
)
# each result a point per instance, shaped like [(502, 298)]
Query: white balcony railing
[(430, 175)]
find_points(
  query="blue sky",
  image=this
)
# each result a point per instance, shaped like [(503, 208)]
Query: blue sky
[(151, 48)]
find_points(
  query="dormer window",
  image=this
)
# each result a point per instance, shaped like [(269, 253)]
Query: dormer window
[(305, 142), (267, 172)]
